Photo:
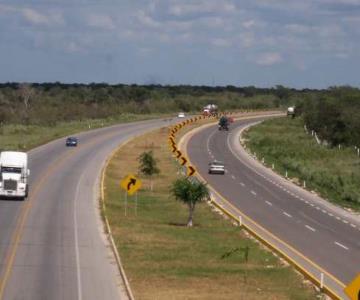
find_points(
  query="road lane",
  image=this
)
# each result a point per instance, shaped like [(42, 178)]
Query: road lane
[(275, 204), (62, 252)]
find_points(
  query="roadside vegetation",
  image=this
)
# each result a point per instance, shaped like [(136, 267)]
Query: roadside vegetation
[(165, 259), (25, 137), (47, 104), (332, 172)]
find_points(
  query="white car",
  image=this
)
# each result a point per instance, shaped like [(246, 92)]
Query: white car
[(181, 115), (216, 167)]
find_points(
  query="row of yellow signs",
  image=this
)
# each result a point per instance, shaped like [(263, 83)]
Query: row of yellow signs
[(172, 144), (132, 184)]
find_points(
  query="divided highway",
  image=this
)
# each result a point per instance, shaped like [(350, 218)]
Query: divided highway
[(315, 234), (52, 245)]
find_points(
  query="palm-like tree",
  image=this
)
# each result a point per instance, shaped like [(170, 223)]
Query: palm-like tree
[(189, 192)]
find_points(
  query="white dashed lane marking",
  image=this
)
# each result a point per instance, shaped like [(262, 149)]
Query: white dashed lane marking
[(252, 192), (242, 184), (268, 203), (233, 177), (286, 214), (341, 245), (310, 228)]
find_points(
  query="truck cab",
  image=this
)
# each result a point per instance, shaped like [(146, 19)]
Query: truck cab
[(14, 174)]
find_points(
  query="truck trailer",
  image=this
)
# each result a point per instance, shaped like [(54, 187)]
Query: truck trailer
[(14, 174)]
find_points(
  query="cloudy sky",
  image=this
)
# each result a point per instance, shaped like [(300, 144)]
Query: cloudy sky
[(307, 43)]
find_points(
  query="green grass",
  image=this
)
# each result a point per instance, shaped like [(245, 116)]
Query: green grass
[(22, 137), (164, 259), (333, 173)]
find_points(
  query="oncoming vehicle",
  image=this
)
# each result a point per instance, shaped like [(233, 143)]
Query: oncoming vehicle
[(216, 167), (181, 115), (71, 141), (14, 174)]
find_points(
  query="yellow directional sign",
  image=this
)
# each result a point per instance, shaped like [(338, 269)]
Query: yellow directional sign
[(190, 171), (183, 160), (178, 153), (130, 184), (353, 289), (171, 140)]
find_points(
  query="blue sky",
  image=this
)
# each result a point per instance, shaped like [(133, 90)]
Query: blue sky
[(299, 44)]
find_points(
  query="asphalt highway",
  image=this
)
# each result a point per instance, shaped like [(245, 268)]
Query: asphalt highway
[(320, 236), (52, 245)]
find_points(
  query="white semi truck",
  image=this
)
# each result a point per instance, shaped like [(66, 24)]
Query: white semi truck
[(14, 174), (291, 111), (210, 109)]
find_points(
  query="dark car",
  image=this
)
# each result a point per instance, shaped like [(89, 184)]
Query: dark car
[(71, 141)]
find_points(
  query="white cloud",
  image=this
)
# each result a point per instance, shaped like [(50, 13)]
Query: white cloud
[(201, 7), (298, 28), (269, 58), (147, 20), (35, 17), (72, 47), (221, 42), (248, 24), (101, 21), (6, 8)]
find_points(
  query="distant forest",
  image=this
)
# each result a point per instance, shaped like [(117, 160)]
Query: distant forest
[(334, 112)]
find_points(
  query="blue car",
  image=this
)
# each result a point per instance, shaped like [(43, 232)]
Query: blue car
[(71, 141)]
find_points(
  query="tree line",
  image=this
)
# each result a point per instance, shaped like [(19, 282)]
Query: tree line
[(334, 115), (49, 103)]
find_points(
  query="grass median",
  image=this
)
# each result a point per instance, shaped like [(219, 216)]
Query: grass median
[(164, 259), (332, 172)]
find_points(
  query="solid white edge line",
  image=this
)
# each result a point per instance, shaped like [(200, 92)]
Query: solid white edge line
[(77, 254)]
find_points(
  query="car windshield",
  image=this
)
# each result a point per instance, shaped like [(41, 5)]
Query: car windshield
[(217, 163), (10, 170)]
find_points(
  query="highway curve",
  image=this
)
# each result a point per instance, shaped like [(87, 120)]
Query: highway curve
[(316, 235), (52, 245)]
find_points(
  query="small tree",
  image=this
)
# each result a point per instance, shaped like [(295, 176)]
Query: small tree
[(26, 93), (148, 165), (189, 193)]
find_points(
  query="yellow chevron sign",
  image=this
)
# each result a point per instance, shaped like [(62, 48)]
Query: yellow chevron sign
[(353, 289)]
